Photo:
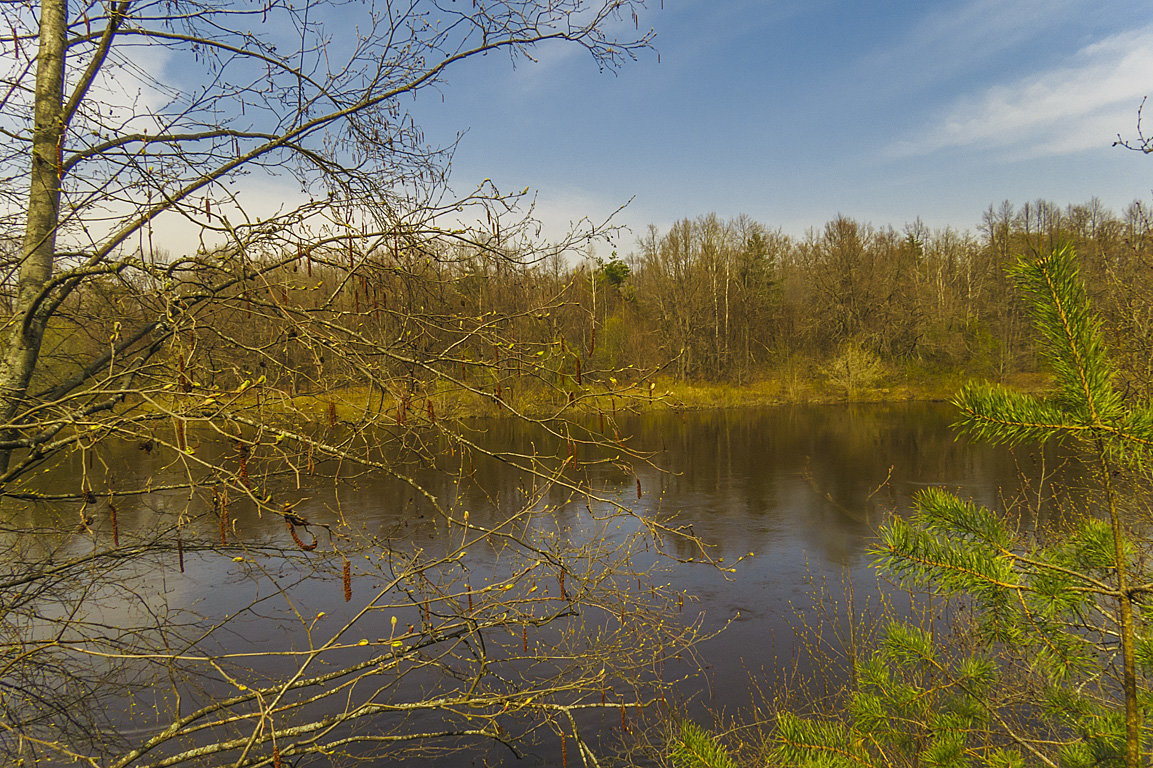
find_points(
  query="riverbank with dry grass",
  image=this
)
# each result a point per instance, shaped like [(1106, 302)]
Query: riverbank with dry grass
[(358, 404), (772, 391)]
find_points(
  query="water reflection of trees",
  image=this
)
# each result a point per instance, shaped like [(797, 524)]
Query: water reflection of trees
[(797, 486), (499, 609), (824, 477)]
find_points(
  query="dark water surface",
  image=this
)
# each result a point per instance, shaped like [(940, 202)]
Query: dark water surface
[(802, 489)]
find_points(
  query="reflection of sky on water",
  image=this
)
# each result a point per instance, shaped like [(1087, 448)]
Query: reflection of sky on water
[(802, 488)]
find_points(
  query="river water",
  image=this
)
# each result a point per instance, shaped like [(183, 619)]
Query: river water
[(791, 497), (804, 490)]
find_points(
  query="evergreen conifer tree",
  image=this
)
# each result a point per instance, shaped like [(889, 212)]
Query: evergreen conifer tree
[(695, 747), (1060, 622)]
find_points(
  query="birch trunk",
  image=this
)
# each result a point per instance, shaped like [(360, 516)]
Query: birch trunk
[(20, 343)]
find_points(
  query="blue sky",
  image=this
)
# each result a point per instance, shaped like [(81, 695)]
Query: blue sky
[(793, 111)]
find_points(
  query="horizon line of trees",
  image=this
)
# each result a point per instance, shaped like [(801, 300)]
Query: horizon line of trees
[(732, 300), (735, 299), (707, 300)]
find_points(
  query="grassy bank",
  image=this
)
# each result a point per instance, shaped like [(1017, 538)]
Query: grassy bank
[(785, 391), (442, 401)]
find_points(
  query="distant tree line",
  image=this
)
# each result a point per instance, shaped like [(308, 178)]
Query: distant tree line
[(732, 300), (707, 300)]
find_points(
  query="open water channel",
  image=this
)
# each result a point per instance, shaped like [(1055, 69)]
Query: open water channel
[(802, 488)]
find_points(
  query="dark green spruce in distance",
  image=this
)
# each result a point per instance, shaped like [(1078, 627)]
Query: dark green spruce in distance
[(1055, 669)]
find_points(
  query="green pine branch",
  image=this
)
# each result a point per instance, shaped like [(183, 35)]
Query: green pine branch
[(696, 748)]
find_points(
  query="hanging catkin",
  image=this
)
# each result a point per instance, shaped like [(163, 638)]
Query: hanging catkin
[(243, 450), (115, 528), (300, 542)]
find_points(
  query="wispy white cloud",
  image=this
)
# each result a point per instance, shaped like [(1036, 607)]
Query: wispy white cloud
[(954, 36), (251, 199), (543, 67), (561, 210), (1081, 105), (128, 91)]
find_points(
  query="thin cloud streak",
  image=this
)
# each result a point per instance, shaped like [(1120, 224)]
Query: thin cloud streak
[(958, 37), (1060, 111)]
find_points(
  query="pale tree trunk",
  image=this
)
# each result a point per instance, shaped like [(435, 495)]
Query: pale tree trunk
[(593, 288), (727, 359), (716, 350), (21, 340)]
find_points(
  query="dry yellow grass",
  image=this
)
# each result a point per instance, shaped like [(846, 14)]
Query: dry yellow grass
[(446, 401)]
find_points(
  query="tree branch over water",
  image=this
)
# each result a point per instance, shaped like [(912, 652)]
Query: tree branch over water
[(159, 412)]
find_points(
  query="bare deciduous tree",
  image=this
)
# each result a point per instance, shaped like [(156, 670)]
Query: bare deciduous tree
[(336, 334)]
